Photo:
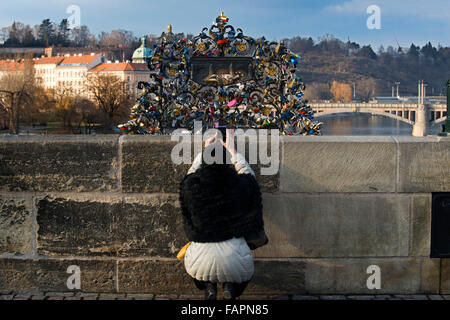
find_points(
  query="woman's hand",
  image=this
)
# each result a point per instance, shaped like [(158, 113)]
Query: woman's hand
[(210, 140)]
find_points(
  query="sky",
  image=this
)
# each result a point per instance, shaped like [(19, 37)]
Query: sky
[(402, 21)]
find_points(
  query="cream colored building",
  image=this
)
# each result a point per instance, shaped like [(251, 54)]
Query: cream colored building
[(132, 73), (69, 72), (45, 71)]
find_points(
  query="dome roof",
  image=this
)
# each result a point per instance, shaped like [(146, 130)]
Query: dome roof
[(142, 53)]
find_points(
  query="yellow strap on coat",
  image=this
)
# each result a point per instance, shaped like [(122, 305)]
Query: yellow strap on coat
[(182, 252)]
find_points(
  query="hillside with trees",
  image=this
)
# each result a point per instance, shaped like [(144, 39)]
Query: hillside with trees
[(323, 62), (370, 73)]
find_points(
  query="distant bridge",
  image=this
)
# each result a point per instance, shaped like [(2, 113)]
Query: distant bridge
[(413, 114)]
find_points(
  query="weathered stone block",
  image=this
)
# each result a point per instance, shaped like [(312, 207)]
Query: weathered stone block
[(51, 275), (278, 276), (263, 157), (335, 225), (445, 276), (303, 276), (421, 225), (146, 166), (16, 227), (110, 225), (59, 163), (349, 276), (338, 164), (424, 164), (267, 182), (169, 277), (154, 276)]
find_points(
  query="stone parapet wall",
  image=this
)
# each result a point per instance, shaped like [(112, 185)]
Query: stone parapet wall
[(109, 205)]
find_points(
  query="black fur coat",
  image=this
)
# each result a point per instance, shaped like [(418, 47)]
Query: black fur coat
[(218, 204)]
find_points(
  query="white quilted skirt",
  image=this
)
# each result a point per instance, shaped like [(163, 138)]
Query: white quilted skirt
[(226, 261)]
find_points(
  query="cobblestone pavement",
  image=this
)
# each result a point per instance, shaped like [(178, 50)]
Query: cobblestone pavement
[(138, 296)]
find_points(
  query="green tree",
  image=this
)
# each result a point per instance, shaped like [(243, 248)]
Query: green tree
[(28, 37), (367, 52), (46, 33), (413, 51), (63, 33), (13, 36), (429, 51)]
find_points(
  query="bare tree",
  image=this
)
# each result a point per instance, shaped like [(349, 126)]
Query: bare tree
[(110, 95), (40, 108), (16, 88), (64, 100), (367, 88), (117, 38), (342, 92), (318, 92), (4, 34), (87, 113), (80, 36)]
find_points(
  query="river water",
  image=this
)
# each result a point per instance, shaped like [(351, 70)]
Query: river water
[(349, 124)]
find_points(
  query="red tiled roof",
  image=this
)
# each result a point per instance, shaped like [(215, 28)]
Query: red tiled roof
[(48, 60), (121, 66), (79, 59), (11, 65)]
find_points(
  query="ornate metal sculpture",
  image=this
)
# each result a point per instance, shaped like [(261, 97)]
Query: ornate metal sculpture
[(221, 77)]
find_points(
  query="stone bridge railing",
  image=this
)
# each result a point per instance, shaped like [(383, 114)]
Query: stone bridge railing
[(109, 206)]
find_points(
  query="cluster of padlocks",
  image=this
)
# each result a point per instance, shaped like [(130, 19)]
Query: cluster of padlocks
[(221, 77)]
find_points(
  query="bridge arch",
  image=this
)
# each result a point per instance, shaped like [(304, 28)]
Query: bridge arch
[(369, 111)]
